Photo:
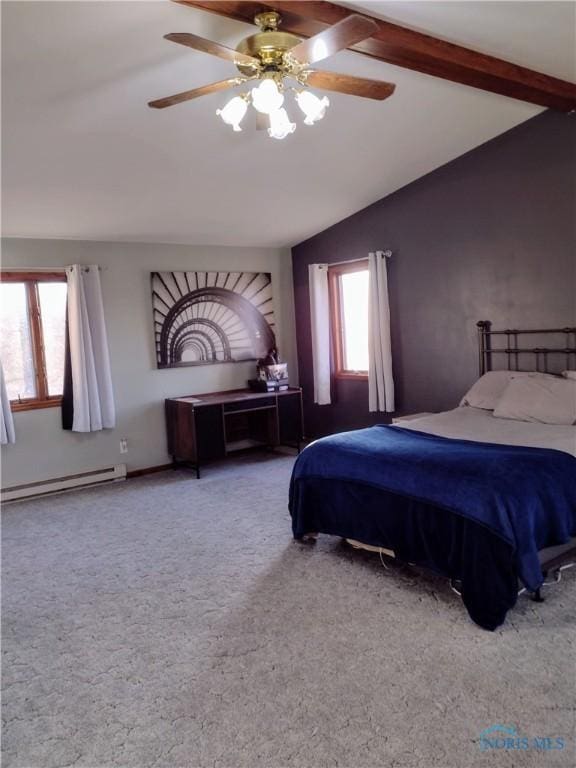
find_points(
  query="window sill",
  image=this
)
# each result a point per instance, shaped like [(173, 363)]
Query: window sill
[(351, 376), (34, 405)]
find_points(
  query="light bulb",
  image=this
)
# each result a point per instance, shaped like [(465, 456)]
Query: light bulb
[(233, 112), (313, 107), (266, 98), (280, 125)]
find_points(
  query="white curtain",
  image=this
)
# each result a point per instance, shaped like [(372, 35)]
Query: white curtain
[(320, 325), (7, 434), (380, 381), (92, 396)]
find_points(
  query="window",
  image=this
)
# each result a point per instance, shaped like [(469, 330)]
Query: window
[(32, 338), (349, 318)]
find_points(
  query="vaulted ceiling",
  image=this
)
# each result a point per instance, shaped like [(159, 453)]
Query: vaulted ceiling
[(84, 157)]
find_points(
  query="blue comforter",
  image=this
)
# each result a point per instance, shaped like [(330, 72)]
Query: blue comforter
[(525, 496)]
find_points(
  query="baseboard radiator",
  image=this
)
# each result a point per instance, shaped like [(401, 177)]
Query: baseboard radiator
[(59, 484)]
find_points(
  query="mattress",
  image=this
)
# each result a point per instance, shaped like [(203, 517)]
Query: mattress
[(467, 423)]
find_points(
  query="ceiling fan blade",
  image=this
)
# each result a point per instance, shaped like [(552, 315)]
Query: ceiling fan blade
[(262, 121), (353, 29), (355, 86), (168, 101), (208, 46)]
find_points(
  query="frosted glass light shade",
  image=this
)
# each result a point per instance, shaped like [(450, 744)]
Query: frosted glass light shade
[(313, 108), (266, 98), (234, 112), (280, 125)]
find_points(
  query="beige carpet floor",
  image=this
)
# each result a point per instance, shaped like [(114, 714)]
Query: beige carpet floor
[(166, 622)]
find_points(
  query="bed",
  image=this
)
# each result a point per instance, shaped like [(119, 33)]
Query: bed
[(489, 502)]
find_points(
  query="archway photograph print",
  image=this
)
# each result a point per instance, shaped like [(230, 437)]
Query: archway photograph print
[(202, 318)]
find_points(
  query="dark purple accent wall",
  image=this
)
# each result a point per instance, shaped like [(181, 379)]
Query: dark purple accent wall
[(489, 236)]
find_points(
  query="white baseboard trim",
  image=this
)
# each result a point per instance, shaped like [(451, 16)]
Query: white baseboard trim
[(59, 484)]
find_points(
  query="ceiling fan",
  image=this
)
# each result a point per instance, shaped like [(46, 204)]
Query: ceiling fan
[(272, 56)]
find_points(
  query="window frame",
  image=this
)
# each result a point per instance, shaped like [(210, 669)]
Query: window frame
[(336, 321), (31, 280)]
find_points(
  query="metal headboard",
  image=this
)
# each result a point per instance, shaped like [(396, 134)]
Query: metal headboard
[(514, 352)]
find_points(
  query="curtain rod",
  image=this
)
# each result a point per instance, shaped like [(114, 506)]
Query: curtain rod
[(33, 269), (363, 258), (86, 267), (45, 269)]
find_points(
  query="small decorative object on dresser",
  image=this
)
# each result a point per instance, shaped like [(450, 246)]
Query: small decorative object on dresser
[(271, 374)]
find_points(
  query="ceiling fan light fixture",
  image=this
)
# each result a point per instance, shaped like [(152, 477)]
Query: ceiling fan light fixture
[(267, 98), (313, 108), (233, 112), (280, 125), (270, 57)]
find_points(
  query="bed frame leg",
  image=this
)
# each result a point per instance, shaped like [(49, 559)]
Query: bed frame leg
[(537, 596)]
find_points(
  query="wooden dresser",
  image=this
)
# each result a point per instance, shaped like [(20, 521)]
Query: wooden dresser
[(211, 426)]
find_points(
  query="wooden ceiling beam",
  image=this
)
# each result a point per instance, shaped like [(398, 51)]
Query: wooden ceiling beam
[(410, 49)]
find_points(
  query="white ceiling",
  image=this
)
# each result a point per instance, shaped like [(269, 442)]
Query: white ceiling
[(84, 157)]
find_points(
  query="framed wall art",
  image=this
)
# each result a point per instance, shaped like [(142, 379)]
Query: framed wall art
[(202, 318)]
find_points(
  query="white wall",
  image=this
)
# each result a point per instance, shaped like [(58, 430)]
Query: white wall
[(43, 450)]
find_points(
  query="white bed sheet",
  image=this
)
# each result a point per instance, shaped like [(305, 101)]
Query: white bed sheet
[(468, 423)]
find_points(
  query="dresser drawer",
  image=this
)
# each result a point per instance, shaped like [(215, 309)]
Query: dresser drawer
[(250, 404)]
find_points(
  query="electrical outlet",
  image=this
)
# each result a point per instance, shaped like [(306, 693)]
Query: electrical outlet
[(124, 445)]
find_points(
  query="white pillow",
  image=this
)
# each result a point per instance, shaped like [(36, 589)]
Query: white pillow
[(547, 400), (569, 374), (487, 391)]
